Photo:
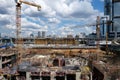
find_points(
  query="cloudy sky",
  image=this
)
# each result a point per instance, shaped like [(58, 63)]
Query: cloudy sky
[(56, 16)]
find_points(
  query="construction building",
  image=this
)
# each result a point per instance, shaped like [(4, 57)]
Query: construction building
[(51, 67), (60, 58), (8, 57), (47, 41)]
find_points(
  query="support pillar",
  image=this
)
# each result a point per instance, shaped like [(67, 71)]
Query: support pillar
[(28, 76), (0, 62), (53, 76), (78, 75)]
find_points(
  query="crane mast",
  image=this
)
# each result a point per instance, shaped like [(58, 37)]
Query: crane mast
[(98, 31), (18, 22)]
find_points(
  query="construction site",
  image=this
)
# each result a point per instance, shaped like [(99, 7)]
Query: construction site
[(60, 58), (58, 64)]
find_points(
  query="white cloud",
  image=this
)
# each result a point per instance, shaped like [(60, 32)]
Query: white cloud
[(28, 24), (53, 16), (66, 29), (46, 10), (33, 27), (54, 20), (72, 8)]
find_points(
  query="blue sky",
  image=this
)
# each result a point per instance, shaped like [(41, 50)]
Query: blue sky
[(57, 17), (98, 4)]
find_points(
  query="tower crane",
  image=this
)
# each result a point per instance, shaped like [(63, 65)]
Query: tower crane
[(97, 24), (18, 20), (18, 16), (98, 31)]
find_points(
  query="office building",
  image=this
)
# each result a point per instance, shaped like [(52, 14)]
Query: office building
[(103, 28), (106, 28), (43, 34), (39, 34), (0, 35), (111, 9), (116, 17)]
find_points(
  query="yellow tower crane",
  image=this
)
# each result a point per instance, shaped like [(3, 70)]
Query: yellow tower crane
[(18, 22), (97, 25), (98, 31), (18, 16)]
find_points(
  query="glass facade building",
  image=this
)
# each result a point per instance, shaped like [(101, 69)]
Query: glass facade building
[(105, 28), (111, 9), (116, 17)]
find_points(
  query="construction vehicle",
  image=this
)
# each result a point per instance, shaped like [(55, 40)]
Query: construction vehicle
[(18, 22)]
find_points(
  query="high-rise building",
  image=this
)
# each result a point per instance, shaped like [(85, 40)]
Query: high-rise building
[(108, 8), (108, 16), (43, 34), (0, 35), (116, 17), (106, 28), (39, 34), (111, 9), (103, 28)]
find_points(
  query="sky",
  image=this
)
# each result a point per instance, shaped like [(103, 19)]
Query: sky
[(56, 17)]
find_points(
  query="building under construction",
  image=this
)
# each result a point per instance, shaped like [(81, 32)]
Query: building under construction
[(36, 66), (62, 58)]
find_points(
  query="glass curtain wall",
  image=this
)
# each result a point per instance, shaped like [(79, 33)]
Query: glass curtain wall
[(116, 17)]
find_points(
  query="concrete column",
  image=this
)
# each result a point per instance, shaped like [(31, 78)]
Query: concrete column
[(53, 76), (65, 77), (82, 62), (90, 75), (40, 76), (59, 61), (78, 75), (0, 62), (28, 76), (105, 76), (86, 62)]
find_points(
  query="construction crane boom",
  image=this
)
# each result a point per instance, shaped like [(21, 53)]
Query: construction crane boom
[(89, 25), (32, 4)]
